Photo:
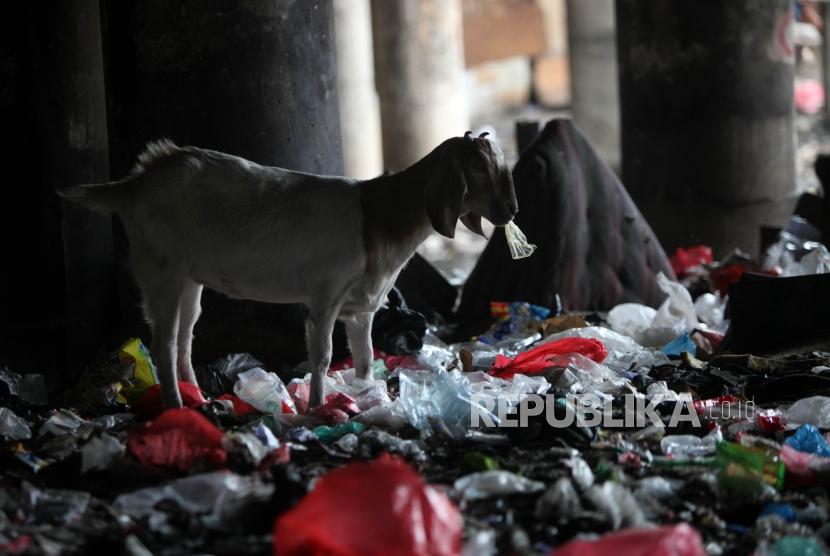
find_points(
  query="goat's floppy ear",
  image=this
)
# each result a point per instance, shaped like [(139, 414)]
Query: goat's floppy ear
[(473, 223), (444, 194)]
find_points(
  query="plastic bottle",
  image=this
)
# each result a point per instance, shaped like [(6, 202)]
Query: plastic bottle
[(747, 469)]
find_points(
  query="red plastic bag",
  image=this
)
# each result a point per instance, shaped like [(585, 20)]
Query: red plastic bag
[(149, 405), (177, 439), (240, 406), (378, 507), (671, 540), (685, 258), (536, 360)]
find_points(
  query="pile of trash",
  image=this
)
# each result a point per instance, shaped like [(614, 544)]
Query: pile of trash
[(548, 434)]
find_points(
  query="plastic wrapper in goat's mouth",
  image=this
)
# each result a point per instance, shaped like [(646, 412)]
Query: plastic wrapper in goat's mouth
[(517, 242)]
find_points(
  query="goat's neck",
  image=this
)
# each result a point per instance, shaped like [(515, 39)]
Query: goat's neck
[(395, 216)]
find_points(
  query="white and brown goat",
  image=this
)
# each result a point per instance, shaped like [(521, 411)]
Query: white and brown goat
[(196, 218)]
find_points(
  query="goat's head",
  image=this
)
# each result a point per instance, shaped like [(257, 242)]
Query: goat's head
[(470, 181)]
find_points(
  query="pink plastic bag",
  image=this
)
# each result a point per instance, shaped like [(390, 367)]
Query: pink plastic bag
[(177, 439), (671, 540), (379, 507), (536, 360)]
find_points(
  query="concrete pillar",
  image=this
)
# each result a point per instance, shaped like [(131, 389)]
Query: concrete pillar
[(551, 77), (256, 79), (359, 108), (593, 74), (56, 292), (706, 92), (419, 71)]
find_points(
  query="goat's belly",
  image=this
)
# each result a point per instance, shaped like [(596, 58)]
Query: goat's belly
[(272, 290)]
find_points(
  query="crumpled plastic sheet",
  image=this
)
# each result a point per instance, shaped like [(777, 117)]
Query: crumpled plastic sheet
[(582, 375), (385, 508), (217, 497), (617, 504), (437, 395), (177, 439), (12, 426), (62, 421), (814, 410), (54, 506), (613, 341), (559, 502), (486, 484), (797, 256), (101, 452)]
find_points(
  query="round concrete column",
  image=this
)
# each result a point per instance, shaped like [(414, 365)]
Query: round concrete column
[(419, 71), (706, 92), (593, 72), (56, 290), (255, 78), (359, 108)]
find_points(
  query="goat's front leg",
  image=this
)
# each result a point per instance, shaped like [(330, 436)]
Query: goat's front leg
[(359, 332), (319, 327)]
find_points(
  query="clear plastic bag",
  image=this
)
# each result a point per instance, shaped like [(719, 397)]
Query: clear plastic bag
[(517, 242)]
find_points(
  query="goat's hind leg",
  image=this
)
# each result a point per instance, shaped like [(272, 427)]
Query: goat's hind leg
[(189, 310)]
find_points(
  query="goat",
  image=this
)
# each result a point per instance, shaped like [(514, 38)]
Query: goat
[(197, 217)]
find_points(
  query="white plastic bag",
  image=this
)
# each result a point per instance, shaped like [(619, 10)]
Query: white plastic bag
[(517, 242)]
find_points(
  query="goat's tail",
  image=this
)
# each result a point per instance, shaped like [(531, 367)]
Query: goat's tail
[(100, 197)]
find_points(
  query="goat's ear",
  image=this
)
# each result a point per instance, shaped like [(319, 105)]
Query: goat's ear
[(473, 223), (444, 195)]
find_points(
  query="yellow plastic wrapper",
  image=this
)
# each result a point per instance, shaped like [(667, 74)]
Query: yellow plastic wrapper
[(144, 372), (120, 379), (517, 242)]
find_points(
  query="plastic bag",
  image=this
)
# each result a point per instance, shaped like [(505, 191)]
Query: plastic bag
[(670, 540), (150, 403), (631, 319), (680, 345), (617, 503), (13, 427), (440, 395), (674, 317), (687, 258), (517, 242), (613, 341), (177, 439), (380, 507), (328, 434), (215, 497), (814, 410), (101, 452), (560, 501), (486, 484), (809, 439), (265, 391), (538, 359)]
